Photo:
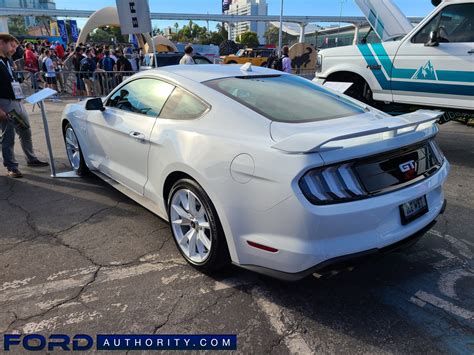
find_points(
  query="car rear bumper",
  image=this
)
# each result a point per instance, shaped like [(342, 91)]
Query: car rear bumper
[(309, 238), (345, 262)]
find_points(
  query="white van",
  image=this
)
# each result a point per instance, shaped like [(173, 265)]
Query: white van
[(432, 65)]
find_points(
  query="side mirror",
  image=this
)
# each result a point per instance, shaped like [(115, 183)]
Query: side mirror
[(95, 104), (434, 40)]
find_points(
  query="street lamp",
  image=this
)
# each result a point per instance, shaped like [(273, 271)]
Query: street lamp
[(281, 29)]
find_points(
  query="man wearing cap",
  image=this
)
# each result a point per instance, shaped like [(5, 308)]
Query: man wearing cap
[(10, 107)]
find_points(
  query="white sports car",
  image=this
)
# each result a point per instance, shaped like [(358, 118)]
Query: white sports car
[(261, 168)]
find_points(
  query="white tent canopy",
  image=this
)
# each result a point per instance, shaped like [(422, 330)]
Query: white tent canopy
[(294, 29)]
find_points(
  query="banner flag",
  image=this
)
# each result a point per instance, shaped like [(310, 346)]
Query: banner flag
[(74, 31), (62, 30), (53, 25)]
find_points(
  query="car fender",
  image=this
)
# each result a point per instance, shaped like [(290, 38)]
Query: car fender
[(76, 115), (185, 168)]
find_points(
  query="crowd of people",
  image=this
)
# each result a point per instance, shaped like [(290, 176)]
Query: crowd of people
[(97, 67), (95, 70)]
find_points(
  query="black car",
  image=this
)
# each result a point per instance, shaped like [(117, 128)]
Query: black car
[(165, 59)]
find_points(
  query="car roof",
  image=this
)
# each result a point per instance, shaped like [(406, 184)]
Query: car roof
[(201, 73)]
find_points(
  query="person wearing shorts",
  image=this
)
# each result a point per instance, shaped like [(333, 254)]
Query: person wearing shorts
[(51, 80)]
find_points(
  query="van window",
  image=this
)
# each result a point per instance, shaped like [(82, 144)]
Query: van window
[(454, 24)]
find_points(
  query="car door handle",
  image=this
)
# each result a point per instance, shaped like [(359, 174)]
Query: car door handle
[(138, 136), (471, 51)]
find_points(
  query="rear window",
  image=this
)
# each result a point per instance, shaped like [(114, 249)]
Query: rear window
[(286, 98)]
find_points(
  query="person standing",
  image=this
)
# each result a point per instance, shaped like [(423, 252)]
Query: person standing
[(50, 71), (59, 50), (286, 60), (31, 64), (188, 56), (88, 66), (76, 62), (10, 105)]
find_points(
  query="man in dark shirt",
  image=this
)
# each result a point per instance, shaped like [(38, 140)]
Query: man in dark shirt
[(11, 107), (76, 61), (123, 64)]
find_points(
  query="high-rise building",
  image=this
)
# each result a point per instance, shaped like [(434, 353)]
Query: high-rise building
[(29, 4), (248, 7)]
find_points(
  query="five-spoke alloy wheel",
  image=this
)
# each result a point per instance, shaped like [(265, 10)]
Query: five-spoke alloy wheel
[(73, 149), (195, 226)]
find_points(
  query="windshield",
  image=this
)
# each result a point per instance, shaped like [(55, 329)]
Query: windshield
[(286, 98), (240, 52)]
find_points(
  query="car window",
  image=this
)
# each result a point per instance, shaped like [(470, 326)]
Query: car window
[(199, 60), (181, 105), (455, 23), (286, 98), (164, 61), (145, 96)]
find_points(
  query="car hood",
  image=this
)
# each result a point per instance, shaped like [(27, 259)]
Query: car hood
[(386, 19), (354, 136)]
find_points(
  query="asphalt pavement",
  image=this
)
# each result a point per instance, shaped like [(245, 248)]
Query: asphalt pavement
[(77, 256)]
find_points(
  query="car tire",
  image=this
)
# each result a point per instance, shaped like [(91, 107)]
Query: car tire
[(231, 62), (74, 151), (196, 228)]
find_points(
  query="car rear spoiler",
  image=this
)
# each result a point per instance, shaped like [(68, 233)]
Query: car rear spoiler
[(311, 142)]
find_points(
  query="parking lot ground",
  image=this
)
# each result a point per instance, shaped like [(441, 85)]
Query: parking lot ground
[(76, 256)]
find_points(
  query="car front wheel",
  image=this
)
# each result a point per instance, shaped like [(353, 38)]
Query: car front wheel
[(74, 152), (196, 228)]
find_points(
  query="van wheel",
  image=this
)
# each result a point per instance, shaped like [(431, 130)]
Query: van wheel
[(196, 228), (360, 89)]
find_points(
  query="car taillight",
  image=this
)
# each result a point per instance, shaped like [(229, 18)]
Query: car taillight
[(332, 185)]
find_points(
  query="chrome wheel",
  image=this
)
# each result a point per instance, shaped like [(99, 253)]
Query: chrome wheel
[(72, 148), (190, 224)]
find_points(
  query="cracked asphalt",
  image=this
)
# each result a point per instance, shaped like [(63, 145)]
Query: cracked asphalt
[(77, 256)]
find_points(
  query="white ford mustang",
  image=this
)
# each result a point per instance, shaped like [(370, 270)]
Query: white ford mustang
[(260, 168)]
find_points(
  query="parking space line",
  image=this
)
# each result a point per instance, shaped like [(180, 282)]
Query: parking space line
[(445, 305)]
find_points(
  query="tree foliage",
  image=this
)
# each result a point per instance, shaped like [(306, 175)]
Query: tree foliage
[(105, 35), (228, 47), (271, 36), (16, 25), (249, 39)]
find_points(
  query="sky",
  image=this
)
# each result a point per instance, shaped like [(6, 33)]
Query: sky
[(419, 8)]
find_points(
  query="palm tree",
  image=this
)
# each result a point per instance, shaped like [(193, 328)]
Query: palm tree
[(176, 25)]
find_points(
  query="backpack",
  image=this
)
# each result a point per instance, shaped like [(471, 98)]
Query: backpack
[(108, 64), (85, 68), (278, 64)]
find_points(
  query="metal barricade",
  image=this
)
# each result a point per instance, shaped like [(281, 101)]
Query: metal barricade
[(72, 84)]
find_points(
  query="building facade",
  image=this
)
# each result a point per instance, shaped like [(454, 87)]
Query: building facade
[(248, 7), (29, 4)]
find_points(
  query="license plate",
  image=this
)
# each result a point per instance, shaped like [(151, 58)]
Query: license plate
[(413, 209)]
